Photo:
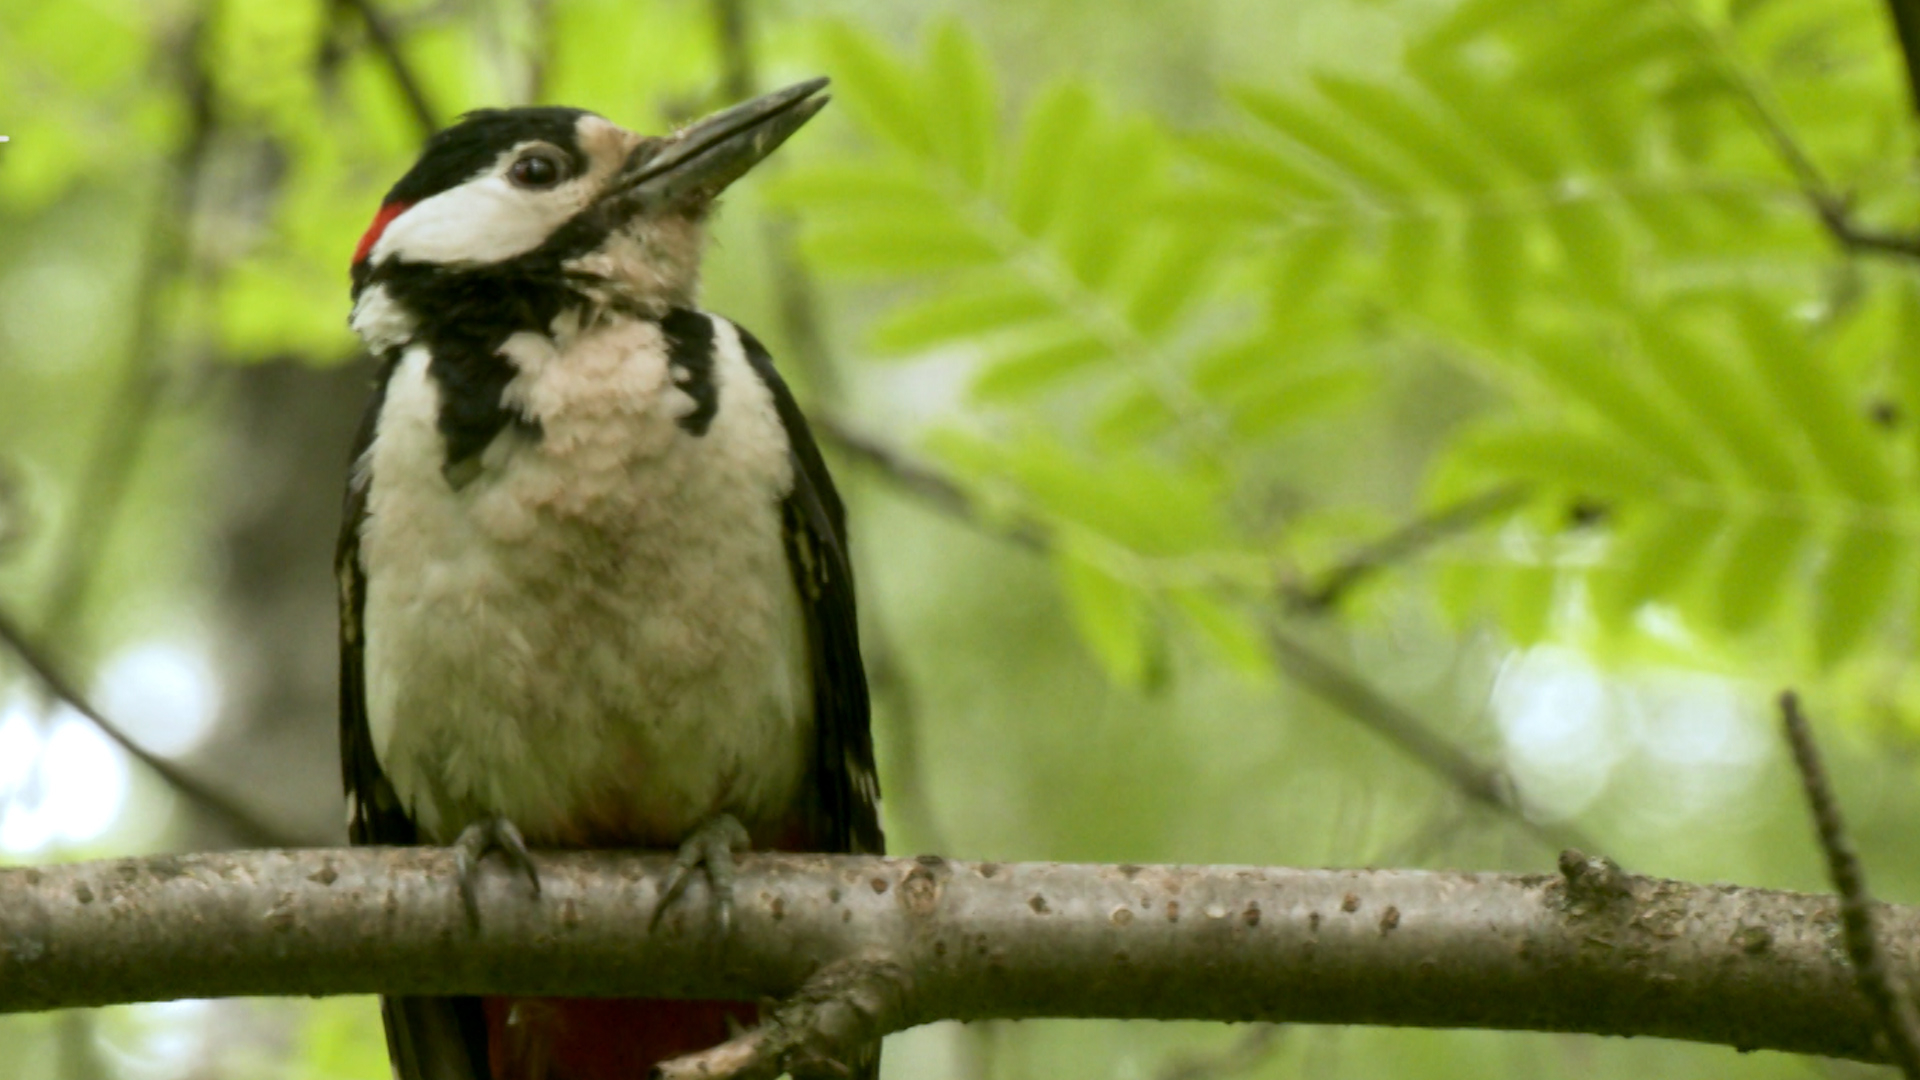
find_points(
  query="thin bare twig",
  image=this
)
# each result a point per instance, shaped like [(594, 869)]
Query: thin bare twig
[(1828, 203), (381, 36), (1400, 545), (1326, 679), (1906, 31), (928, 484), (1899, 1022), (1354, 696), (246, 828), (1837, 215), (540, 49)]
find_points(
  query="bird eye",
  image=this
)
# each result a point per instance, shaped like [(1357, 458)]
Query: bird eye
[(537, 171)]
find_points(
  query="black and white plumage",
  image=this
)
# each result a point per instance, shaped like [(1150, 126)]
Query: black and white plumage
[(593, 573)]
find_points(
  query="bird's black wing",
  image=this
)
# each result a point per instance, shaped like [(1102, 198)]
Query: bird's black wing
[(847, 787), (429, 1038)]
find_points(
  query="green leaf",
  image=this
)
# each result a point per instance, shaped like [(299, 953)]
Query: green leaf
[(879, 90), (1361, 167), (962, 308), (1128, 499), (1038, 364), (1055, 128), (960, 82), (1263, 410), (1592, 248), (1855, 587), (1663, 557), (892, 245), (1496, 255), (1275, 177), (1571, 458), (1235, 635), (1759, 558), (1446, 155), (1175, 277), (1607, 42), (1595, 373), (1508, 124), (1805, 396), (1906, 362), (1527, 604), (1110, 615), (1134, 417), (1722, 398), (852, 188), (1101, 191), (1305, 264), (1414, 247)]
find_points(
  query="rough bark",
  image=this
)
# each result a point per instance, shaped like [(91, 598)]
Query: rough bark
[(1586, 950)]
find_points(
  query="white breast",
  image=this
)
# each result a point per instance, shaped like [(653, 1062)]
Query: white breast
[(599, 636)]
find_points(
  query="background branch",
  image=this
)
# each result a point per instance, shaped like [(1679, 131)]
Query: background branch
[(386, 44), (1329, 681), (1402, 545), (1891, 1006), (1750, 968), (246, 828), (1906, 32)]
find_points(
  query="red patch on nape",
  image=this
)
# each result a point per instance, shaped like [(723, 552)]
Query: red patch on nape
[(380, 222)]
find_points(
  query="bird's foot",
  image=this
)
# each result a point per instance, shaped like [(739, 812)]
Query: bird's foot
[(494, 833), (710, 848)]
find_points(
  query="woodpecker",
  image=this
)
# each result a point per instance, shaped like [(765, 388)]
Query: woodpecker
[(594, 584)]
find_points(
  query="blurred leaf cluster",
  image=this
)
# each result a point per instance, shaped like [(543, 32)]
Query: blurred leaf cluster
[(1613, 222)]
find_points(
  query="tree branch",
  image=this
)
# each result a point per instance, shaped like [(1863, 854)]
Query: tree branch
[(1586, 951), (1483, 784), (1891, 1006), (1906, 31), (387, 45), (1325, 679), (1402, 544), (245, 827)]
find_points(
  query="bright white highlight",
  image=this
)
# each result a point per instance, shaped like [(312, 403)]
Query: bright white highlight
[(164, 694), (1553, 709), (1659, 744), (61, 781)]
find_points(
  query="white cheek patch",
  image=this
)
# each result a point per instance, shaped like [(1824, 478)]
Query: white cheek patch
[(484, 220), (379, 321)]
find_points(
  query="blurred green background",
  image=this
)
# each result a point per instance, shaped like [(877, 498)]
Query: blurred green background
[(1131, 324)]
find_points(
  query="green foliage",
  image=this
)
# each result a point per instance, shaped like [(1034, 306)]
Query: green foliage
[(1597, 210), (1054, 257), (1049, 254), (1231, 291)]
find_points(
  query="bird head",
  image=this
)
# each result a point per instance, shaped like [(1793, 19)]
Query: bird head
[(538, 201)]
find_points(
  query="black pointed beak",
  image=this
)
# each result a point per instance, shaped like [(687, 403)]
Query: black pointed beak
[(696, 163)]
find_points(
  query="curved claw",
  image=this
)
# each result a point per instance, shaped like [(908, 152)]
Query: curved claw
[(475, 841), (711, 848)]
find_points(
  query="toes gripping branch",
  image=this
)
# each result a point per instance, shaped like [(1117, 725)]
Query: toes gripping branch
[(475, 842), (709, 848)]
